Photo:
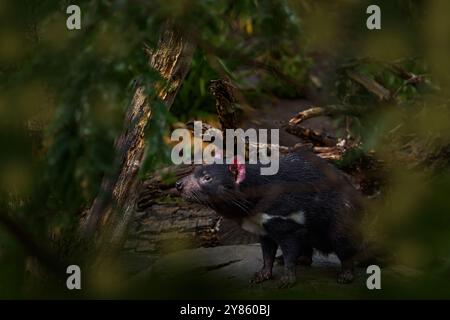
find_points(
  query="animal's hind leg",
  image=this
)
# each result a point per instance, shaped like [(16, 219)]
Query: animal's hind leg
[(304, 259), (346, 251)]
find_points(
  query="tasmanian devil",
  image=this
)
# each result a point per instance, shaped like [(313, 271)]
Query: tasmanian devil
[(308, 204)]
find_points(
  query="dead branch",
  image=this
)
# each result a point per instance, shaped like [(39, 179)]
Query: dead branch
[(329, 110), (371, 85), (308, 113), (329, 153), (308, 134)]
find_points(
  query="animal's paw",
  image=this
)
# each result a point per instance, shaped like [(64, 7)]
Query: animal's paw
[(345, 276), (261, 276), (287, 281)]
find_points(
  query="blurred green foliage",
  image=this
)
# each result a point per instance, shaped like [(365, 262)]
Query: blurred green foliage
[(63, 95)]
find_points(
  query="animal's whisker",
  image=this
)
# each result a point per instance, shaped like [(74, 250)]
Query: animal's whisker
[(241, 203)]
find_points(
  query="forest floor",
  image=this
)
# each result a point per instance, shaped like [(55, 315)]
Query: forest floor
[(225, 271)]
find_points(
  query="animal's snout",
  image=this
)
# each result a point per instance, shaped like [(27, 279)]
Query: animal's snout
[(179, 185)]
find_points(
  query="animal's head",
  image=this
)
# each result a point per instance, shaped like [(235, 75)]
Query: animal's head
[(212, 184)]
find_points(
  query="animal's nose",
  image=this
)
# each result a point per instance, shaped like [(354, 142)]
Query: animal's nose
[(179, 185)]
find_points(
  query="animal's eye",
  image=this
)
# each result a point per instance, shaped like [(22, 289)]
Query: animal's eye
[(207, 178)]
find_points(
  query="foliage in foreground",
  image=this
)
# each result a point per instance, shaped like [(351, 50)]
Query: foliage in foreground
[(63, 95)]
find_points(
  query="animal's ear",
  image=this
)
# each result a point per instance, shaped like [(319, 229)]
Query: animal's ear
[(237, 169)]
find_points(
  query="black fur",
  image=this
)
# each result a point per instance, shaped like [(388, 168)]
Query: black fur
[(331, 208)]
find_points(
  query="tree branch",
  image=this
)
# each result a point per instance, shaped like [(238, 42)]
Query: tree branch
[(330, 110)]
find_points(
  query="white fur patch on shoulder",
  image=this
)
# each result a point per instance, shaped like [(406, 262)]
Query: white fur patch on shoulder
[(297, 217), (254, 224)]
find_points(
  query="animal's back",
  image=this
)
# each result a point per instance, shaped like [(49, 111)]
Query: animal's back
[(304, 182)]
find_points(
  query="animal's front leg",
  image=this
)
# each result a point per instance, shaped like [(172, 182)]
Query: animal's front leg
[(291, 237), (269, 249), (304, 258), (291, 250)]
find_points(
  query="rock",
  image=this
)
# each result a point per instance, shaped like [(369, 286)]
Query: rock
[(238, 262), (225, 271)]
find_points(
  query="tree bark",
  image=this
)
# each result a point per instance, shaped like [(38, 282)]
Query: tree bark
[(171, 59), (222, 90)]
